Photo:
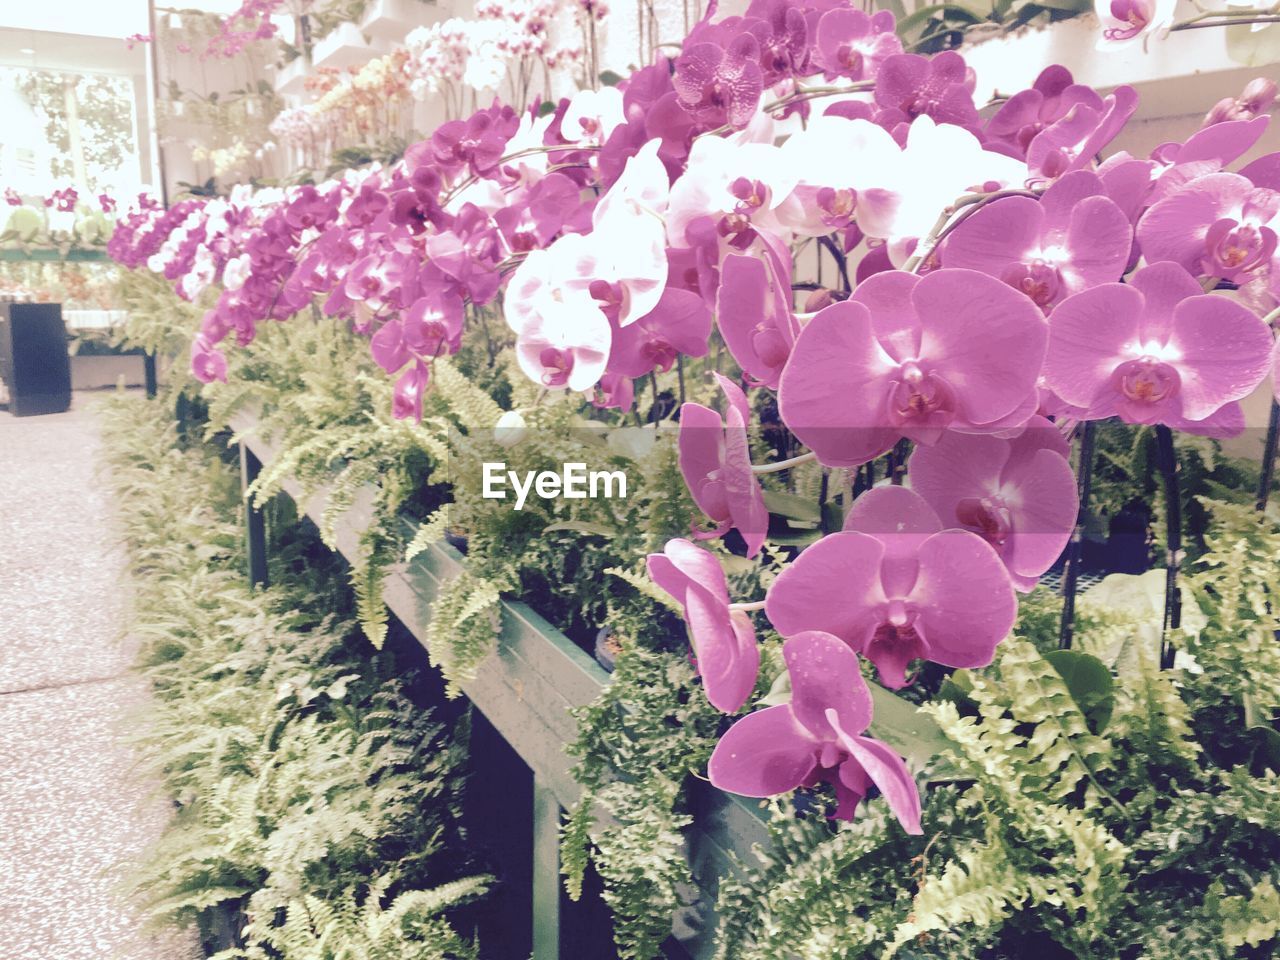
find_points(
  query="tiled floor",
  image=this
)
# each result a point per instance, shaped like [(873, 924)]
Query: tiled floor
[(75, 809)]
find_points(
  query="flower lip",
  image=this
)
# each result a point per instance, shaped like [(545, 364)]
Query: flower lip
[(1147, 380)]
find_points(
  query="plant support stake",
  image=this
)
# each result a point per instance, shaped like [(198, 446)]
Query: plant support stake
[(1269, 456), (1167, 458), (1075, 550)]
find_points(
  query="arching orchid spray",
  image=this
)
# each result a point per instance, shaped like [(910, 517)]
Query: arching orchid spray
[(1000, 278)]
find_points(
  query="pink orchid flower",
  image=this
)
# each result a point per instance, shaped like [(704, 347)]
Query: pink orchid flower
[(910, 356), (1155, 350), (1072, 142), (1072, 238), (755, 317), (854, 44), (715, 459), (1026, 113), (720, 84), (432, 326), (738, 185), (1019, 495), (816, 738), (406, 399), (724, 641), (680, 325), (1219, 225), (896, 587), (208, 363), (941, 86), (1124, 21)]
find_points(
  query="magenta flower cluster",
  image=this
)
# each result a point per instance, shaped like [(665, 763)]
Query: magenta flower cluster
[(1002, 278)]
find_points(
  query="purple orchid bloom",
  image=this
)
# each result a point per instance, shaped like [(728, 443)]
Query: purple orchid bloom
[(469, 253), (1019, 495), (909, 85), (720, 85), (896, 587), (310, 209), (783, 34), (477, 142), (1254, 101), (680, 325), (1155, 350), (910, 356), (430, 327), (1021, 118), (724, 641), (552, 204), (854, 44), (1072, 142), (406, 399), (715, 460), (1219, 225), (816, 738), (208, 363), (755, 320), (1073, 238)]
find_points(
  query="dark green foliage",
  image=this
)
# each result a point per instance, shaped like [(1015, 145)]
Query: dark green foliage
[(314, 794)]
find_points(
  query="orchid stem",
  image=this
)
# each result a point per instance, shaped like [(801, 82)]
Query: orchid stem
[(680, 375), (823, 490), (1075, 550), (1167, 457), (784, 464), (748, 607), (898, 462), (1269, 456), (838, 256)]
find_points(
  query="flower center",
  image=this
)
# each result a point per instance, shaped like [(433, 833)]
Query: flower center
[(851, 59), (1233, 248), (988, 517), (837, 205), (920, 399), (1039, 280), (660, 353), (557, 364), (751, 195), (1148, 380), (769, 345)]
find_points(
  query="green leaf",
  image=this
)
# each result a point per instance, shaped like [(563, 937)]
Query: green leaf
[(1089, 683), (609, 78), (790, 506), (902, 726), (581, 526), (936, 11)]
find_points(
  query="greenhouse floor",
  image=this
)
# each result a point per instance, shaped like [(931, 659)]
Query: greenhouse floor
[(75, 810)]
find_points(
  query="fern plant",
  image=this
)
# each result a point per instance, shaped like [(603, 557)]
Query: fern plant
[(313, 794)]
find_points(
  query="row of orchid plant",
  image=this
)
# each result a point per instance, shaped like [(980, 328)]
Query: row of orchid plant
[(64, 218), (1000, 282)]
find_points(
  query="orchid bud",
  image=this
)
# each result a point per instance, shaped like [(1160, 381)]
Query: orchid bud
[(817, 299), (509, 430), (1259, 95)]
